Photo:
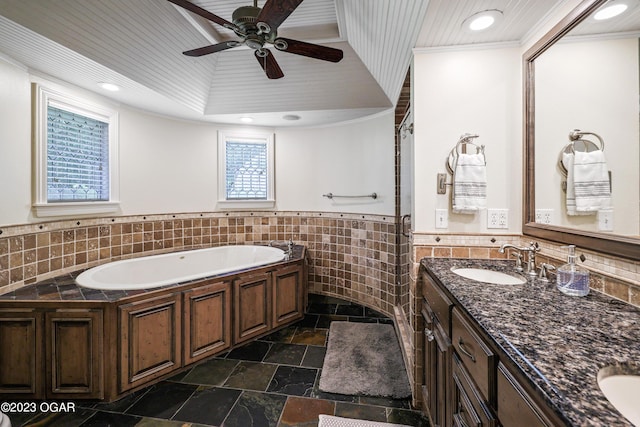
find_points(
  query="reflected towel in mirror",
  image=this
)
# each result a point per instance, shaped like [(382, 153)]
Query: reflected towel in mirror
[(591, 181), (568, 161), (470, 183)]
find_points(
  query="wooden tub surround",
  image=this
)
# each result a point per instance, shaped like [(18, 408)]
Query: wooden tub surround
[(61, 341)]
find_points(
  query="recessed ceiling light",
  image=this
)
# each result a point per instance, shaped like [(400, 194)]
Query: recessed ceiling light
[(612, 9), (482, 20), (109, 86), (246, 119), (291, 117)]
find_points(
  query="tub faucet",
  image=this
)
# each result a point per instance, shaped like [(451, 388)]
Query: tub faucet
[(289, 244), (530, 250)]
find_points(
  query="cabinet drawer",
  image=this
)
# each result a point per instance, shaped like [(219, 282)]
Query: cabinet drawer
[(515, 407), (438, 301), (470, 408), (474, 354)]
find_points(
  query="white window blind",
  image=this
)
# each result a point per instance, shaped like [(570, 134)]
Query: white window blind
[(77, 157), (246, 166), (76, 154), (246, 170)]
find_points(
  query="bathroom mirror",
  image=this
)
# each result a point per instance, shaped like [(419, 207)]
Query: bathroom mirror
[(584, 74)]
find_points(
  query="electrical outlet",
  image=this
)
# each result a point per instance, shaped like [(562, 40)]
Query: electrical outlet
[(605, 220), (544, 216), (497, 218), (442, 220)]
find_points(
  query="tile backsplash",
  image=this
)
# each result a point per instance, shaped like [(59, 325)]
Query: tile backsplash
[(352, 256)]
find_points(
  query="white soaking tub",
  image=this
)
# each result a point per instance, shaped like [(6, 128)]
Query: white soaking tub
[(177, 267)]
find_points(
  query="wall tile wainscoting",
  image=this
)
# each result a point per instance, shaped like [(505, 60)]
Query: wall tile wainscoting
[(352, 255)]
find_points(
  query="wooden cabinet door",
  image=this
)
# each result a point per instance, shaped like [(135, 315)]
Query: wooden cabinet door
[(288, 295), (515, 406), (437, 360), (207, 321), (430, 375), (252, 306), (74, 362), (21, 353), (150, 339)]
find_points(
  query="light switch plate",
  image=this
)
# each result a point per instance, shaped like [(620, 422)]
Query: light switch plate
[(497, 218), (605, 220), (442, 220)]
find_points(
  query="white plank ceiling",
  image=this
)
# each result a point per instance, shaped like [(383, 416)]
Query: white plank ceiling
[(138, 45)]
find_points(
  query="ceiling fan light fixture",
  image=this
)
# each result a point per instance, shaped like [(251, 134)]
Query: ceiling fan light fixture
[(612, 8), (481, 21)]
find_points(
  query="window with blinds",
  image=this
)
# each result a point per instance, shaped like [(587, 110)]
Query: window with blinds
[(77, 157), (245, 169), (76, 152)]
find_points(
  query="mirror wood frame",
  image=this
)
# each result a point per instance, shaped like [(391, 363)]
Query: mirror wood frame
[(617, 245)]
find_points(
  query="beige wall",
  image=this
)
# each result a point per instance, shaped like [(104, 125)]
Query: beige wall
[(467, 91), (169, 165)]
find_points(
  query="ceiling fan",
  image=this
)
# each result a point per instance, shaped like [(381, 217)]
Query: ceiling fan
[(257, 27)]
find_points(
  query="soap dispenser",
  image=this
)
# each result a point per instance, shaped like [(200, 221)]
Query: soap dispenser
[(571, 278)]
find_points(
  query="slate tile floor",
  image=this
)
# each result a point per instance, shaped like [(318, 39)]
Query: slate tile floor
[(272, 381)]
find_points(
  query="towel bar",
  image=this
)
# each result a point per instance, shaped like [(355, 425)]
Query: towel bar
[(333, 196)]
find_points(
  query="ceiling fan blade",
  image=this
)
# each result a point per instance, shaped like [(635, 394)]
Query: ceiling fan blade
[(268, 63), (308, 49), (201, 51), (274, 12), (204, 13)]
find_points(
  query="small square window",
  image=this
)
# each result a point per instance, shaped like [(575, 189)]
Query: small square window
[(245, 169), (76, 152)]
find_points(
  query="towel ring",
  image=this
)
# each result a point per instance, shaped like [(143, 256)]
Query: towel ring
[(579, 144), (465, 140)]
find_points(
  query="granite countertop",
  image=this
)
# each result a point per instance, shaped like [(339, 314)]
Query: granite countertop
[(64, 288), (560, 342)]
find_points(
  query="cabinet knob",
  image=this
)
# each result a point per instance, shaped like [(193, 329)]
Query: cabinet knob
[(429, 334)]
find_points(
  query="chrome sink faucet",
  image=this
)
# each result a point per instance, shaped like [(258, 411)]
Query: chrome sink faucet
[(530, 250)]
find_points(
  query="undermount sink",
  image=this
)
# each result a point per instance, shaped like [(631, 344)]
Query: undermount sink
[(622, 389), (488, 276)]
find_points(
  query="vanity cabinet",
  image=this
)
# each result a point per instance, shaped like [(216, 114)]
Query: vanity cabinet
[(206, 320), (150, 339), (468, 381), (437, 352)]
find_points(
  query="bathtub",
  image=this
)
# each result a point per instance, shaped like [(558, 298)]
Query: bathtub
[(177, 267)]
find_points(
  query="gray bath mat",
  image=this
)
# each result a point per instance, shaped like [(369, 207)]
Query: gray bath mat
[(364, 359)]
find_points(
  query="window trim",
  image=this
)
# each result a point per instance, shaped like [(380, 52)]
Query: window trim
[(44, 97), (254, 135)]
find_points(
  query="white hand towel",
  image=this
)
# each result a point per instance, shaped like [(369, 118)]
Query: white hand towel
[(591, 181), (568, 161), (470, 183)]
